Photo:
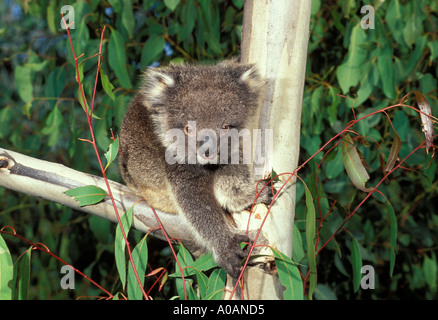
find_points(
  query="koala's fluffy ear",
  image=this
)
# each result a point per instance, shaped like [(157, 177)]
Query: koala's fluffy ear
[(250, 76), (155, 82)]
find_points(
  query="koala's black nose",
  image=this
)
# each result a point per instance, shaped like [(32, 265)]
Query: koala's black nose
[(204, 139), (207, 139), (207, 145)]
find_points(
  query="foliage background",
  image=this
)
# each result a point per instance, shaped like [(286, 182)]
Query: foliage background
[(40, 116)]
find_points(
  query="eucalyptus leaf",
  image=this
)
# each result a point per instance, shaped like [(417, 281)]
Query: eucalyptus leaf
[(356, 260), (353, 164), (216, 285), (112, 152), (120, 244), (172, 4), (6, 271), (87, 195), (152, 50), (23, 80), (117, 58), (140, 259), (289, 276)]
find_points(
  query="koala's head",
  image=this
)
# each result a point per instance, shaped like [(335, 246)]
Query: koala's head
[(200, 105)]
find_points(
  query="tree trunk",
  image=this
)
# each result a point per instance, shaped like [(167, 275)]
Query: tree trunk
[(274, 38)]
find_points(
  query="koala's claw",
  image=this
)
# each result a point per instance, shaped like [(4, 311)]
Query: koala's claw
[(231, 255)]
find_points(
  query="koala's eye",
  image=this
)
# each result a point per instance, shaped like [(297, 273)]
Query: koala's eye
[(225, 128), (188, 130)]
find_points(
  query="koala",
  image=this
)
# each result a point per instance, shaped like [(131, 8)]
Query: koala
[(202, 106)]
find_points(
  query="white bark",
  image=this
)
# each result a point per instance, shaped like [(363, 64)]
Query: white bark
[(274, 38), (50, 180)]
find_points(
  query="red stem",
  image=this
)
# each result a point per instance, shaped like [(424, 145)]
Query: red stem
[(173, 252), (93, 141)]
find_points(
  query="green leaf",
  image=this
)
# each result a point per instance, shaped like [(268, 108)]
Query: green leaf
[(81, 34), (117, 5), (216, 285), (297, 243), (334, 166), (23, 81), (368, 82), (128, 19), (333, 108), (406, 67), (202, 281), (386, 69), (413, 24), (212, 26), (172, 4), (107, 85), (87, 195), (185, 259), (356, 260), (22, 275), (6, 271), (52, 16), (430, 270), (392, 218), (289, 276), (350, 72), (140, 259), (6, 115), (393, 234), (310, 238), (204, 263), (238, 3), (312, 143), (394, 20), (188, 18), (117, 58), (152, 50), (353, 164), (111, 154), (52, 126), (85, 106), (191, 292), (120, 244), (395, 149), (53, 121), (37, 66), (55, 82), (433, 47)]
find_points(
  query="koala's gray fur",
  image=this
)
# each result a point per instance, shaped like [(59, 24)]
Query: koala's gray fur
[(217, 97)]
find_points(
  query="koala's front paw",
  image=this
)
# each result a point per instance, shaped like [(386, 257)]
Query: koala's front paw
[(267, 193), (229, 254)]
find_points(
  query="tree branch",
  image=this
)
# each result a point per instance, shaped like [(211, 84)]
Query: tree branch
[(50, 180)]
